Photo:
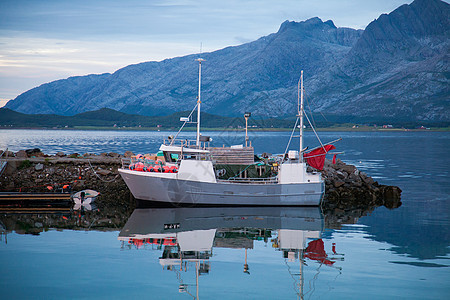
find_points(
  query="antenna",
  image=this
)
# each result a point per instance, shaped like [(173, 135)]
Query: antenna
[(199, 100), (300, 113)]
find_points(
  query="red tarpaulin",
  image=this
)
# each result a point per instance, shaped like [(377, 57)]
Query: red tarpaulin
[(316, 158)]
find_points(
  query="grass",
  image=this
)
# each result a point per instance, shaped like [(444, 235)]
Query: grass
[(24, 164)]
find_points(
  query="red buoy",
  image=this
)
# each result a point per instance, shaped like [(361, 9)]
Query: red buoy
[(139, 166)]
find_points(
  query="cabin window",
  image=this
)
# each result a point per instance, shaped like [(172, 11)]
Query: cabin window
[(190, 157), (171, 157)]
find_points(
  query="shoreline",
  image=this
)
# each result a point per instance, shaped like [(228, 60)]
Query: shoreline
[(192, 129)]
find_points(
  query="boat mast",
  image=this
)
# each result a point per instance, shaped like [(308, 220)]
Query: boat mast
[(199, 99), (300, 114)]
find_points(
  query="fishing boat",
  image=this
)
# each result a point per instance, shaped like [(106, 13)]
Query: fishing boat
[(186, 172)]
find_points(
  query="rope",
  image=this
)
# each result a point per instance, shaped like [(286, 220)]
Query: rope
[(312, 283), (317, 136), (310, 111), (309, 105), (180, 280), (92, 223), (295, 284), (290, 139), (107, 181), (182, 126), (329, 143)]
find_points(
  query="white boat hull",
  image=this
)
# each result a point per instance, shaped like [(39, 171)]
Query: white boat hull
[(167, 188), (156, 223)]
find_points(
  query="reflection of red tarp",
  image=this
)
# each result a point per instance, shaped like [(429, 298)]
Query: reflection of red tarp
[(316, 251), (169, 242), (316, 158)]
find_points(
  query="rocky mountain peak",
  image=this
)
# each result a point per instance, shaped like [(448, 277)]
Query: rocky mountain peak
[(407, 29), (316, 29), (311, 24)]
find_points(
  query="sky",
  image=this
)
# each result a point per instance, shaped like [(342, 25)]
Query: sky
[(46, 40)]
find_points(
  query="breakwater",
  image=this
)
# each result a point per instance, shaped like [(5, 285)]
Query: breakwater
[(33, 171)]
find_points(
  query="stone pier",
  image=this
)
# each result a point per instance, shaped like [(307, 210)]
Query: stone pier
[(33, 171)]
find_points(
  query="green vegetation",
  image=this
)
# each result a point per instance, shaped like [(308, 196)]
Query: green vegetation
[(108, 119), (24, 164)]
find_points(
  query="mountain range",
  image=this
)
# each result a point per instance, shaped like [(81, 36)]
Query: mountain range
[(395, 69)]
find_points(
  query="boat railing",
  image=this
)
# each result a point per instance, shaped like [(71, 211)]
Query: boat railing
[(268, 180), (3, 161), (127, 161), (192, 144), (196, 156), (146, 161)]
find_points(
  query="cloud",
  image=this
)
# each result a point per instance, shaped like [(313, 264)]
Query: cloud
[(38, 60), (42, 41)]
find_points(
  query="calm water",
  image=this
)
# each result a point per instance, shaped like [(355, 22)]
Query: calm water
[(401, 253)]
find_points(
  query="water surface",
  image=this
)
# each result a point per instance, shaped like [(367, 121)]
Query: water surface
[(401, 253)]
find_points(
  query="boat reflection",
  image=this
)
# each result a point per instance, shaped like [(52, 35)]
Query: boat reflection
[(187, 236)]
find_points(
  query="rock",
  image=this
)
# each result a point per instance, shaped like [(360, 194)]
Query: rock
[(357, 183), (60, 154), (22, 154), (79, 184), (39, 167), (33, 152), (366, 179), (354, 178), (338, 183), (113, 154), (103, 172), (104, 221), (11, 168), (348, 169), (341, 175), (38, 225), (8, 154), (392, 196), (128, 154), (348, 188)]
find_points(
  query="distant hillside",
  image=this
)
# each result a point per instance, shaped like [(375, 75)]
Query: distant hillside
[(397, 70), (106, 117)]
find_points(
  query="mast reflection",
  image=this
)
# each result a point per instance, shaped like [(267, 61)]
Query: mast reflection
[(187, 236)]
